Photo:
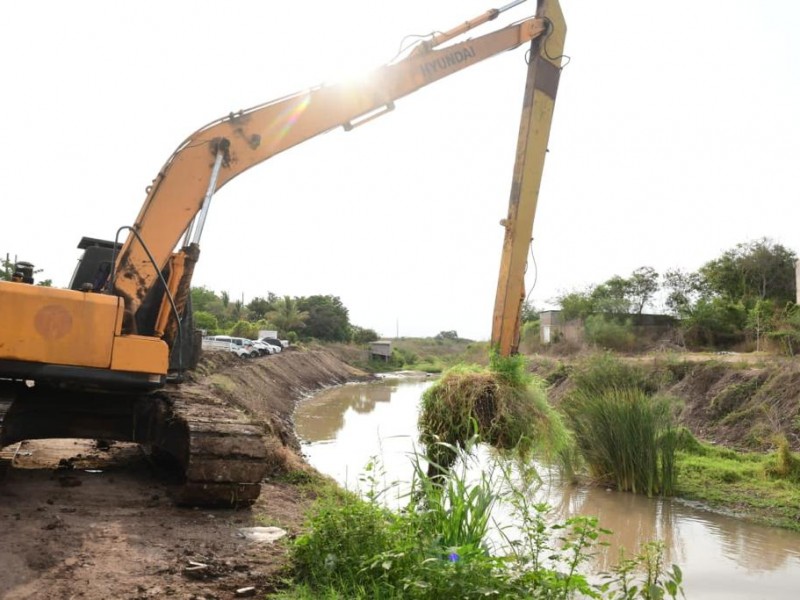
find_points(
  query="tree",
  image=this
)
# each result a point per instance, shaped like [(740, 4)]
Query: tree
[(287, 315), (786, 329), (759, 319), (642, 286), (760, 270), (244, 329), (447, 335), (327, 319), (529, 313), (205, 320), (714, 322), (7, 268), (575, 305), (362, 335), (611, 297), (207, 300), (683, 290), (258, 307)]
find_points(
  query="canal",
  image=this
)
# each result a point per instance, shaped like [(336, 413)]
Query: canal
[(344, 428)]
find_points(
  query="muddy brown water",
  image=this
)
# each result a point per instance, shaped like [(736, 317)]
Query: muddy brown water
[(344, 428)]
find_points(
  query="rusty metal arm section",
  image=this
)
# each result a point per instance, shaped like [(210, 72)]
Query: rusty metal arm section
[(537, 113), (251, 136)]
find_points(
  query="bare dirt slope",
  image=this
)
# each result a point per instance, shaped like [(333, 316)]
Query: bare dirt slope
[(738, 401), (101, 525)]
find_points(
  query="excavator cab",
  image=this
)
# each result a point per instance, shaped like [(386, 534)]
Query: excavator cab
[(95, 265)]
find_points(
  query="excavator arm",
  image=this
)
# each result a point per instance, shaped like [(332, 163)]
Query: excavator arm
[(544, 65), (242, 140)]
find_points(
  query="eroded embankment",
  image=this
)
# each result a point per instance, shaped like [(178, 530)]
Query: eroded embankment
[(269, 388), (741, 406)]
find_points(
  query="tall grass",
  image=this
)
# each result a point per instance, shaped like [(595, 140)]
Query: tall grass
[(624, 430), (626, 438)]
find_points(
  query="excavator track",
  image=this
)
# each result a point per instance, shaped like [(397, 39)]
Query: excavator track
[(221, 452), (216, 454), (6, 453)]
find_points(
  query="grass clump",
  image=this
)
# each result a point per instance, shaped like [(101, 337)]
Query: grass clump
[(503, 404), (626, 438), (625, 432)]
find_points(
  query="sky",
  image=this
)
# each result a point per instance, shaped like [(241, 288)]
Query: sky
[(676, 136)]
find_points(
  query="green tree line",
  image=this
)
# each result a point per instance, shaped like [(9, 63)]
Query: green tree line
[(745, 296), (320, 317)]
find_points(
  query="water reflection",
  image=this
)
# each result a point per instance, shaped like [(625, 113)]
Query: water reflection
[(721, 557)]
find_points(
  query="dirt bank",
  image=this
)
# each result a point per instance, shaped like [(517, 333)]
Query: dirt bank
[(727, 400), (102, 525)]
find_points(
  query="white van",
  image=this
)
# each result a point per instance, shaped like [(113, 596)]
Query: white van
[(230, 344)]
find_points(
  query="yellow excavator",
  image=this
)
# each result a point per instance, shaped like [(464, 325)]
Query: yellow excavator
[(104, 359)]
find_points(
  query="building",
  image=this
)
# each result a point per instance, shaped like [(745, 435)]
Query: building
[(553, 328), (381, 349)]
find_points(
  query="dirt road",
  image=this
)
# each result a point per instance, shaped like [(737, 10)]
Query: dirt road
[(89, 522)]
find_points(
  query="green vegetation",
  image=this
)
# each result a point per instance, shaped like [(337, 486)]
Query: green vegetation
[(610, 332), (762, 487), (626, 437), (743, 299), (438, 547), (504, 405), (319, 317), (624, 431)]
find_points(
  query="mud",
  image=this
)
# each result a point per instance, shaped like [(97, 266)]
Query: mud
[(80, 519)]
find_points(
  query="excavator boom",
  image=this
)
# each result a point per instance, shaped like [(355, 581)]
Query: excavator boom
[(251, 136)]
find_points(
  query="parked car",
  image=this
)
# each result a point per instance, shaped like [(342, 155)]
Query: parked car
[(276, 343), (263, 348)]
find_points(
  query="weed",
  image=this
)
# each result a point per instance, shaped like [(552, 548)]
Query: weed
[(222, 382), (602, 372), (436, 547), (763, 487), (785, 465)]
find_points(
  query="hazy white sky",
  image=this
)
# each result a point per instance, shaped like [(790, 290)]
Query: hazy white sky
[(676, 136)]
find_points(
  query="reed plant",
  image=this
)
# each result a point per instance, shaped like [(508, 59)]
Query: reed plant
[(626, 437)]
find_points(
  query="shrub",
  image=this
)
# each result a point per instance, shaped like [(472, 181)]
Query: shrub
[(609, 332), (602, 372), (785, 464)]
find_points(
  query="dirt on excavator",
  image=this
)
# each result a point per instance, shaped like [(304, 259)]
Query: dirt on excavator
[(94, 519)]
